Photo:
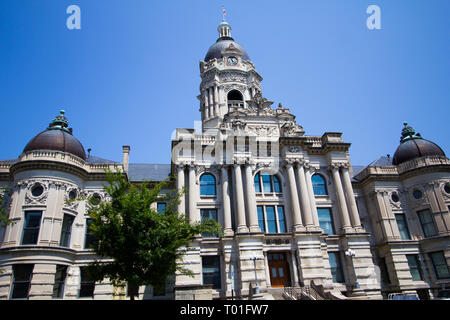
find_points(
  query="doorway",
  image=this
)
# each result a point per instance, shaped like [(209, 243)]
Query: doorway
[(279, 270)]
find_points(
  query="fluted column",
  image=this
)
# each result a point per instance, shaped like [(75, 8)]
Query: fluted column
[(351, 202), (312, 198), (241, 221), (228, 230), (180, 186), (194, 214), (251, 200), (296, 214), (304, 198), (345, 220)]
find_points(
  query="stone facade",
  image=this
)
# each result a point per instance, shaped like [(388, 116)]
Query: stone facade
[(294, 210)]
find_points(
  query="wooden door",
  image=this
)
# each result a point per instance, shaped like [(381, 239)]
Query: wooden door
[(279, 270)]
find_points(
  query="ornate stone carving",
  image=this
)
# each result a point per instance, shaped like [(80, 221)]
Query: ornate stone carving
[(291, 129), (36, 199), (262, 130)]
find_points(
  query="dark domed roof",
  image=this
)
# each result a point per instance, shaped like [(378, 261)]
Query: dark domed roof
[(413, 146), (215, 51), (57, 137), (224, 41)]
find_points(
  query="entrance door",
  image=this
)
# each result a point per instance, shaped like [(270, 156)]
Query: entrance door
[(279, 270)]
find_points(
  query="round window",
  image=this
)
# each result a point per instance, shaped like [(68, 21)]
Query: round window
[(395, 197), (96, 199), (37, 190), (73, 194), (417, 194), (447, 187)]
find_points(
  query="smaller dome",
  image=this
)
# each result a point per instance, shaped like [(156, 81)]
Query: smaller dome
[(215, 51), (57, 137), (413, 146)]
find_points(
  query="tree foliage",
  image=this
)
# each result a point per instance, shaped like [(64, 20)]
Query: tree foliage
[(140, 245), (4, 220)]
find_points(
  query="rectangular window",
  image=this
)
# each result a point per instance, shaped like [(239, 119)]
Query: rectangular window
[(60, 279), (384, 271), (209, 214), (257, 184), (281, 219), (66, 230), (427, 223), (267, 183), (22, 274), (161, 207), (89, 239), (325, 220), (402, 226), (31, 227), (87, 285), (440, 265), (414, 267), (261, 219), (336, 267), (211, 271), (271, 219)]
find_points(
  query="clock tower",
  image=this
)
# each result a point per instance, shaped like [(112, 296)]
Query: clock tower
[(229, 79)]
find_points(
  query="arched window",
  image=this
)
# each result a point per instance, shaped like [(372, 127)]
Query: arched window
[(235, 99), (207, 185), (319, 185), (267, 183)]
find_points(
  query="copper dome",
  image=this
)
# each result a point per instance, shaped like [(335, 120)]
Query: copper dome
[(413, 146), (57, 137)]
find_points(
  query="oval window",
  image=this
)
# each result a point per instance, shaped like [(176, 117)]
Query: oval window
[(395, 197), (417, 194), (37, 190), (447, 187)]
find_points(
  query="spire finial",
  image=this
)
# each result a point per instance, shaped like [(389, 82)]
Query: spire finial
[(224, 13)]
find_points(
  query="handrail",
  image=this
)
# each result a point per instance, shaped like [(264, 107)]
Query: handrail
[(300, 293)]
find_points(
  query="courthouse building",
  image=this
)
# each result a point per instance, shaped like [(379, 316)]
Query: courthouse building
[(294, 210)]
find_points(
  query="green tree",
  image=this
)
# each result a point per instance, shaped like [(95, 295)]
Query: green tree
[(136, 244), (4, 220)]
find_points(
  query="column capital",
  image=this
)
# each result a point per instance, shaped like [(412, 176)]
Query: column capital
[(338, 165)]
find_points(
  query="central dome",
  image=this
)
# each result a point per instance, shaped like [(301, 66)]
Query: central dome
[(57, 137), (224, 41)]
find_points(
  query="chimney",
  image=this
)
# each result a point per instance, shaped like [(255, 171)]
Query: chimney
[(126, 157)]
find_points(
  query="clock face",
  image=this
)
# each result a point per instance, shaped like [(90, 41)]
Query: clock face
[(232, 61)]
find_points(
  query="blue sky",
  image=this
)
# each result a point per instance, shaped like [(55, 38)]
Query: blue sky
[(130, 76)]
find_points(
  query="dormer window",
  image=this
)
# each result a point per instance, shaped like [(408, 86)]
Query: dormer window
[(235, 99)]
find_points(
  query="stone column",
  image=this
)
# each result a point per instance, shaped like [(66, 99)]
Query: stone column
[(312, 198), (211, 102), (216, 100), (241, 221), (251, 200), (345, 220), (180, 185), (351, 202), (206, 108), (296, 214), (304, 198), (194, 215), (228, 230)]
